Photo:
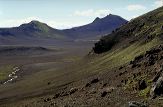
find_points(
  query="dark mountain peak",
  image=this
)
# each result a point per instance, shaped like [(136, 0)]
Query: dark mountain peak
[(35, 21), (110, 15), (106, 17), (97, 19), (109, 18)]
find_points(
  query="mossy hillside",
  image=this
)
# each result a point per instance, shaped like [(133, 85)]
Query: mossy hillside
[(46, 30), (132, 84), (113, 59), (144, 93), (119, 57), (41, 26), (38, 29)]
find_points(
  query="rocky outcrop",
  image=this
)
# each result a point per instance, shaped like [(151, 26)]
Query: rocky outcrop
[(93, 81), (136, 104), (141, 85), (157, 87)]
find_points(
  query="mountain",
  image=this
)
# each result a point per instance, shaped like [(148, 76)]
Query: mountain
[(100, 26), (34, 29)]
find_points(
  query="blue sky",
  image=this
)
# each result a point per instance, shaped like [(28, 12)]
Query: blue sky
[(69, 13)]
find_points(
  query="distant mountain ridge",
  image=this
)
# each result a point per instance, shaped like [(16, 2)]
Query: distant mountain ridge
[(32, 29), (100, 26), (37, 30)]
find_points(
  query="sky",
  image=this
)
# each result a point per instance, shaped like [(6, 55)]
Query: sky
[(62, 14)]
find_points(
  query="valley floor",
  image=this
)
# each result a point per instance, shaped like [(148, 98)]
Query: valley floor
[(75, 77), (39, 70)]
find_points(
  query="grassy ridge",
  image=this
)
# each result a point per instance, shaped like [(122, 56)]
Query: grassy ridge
[(119, 57)]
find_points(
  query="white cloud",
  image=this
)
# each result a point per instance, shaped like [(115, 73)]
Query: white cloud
[(91, 12), (17, 22), (158, 3), (135, 7), (64, 24)]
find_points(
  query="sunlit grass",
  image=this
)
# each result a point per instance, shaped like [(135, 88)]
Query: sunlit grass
[(120, 57), (5, 71)]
